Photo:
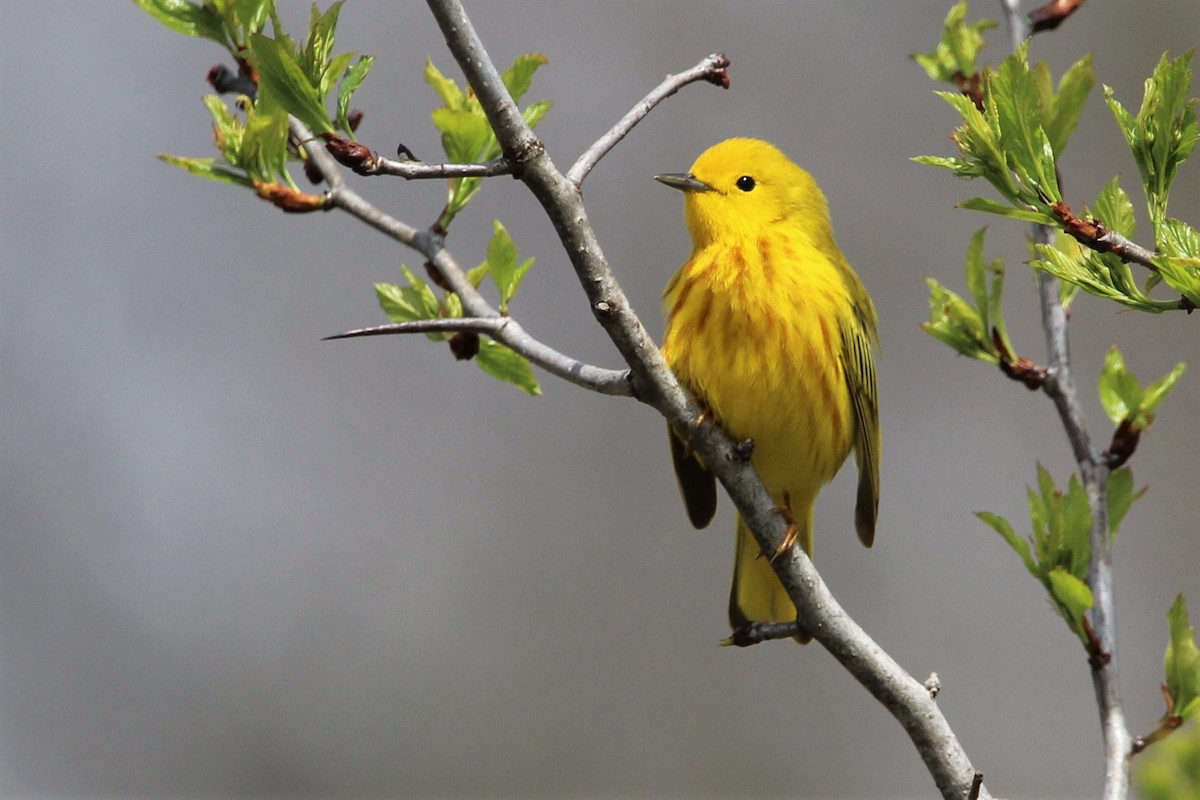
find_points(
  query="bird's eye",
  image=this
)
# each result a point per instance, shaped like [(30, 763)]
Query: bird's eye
[(745, 183)]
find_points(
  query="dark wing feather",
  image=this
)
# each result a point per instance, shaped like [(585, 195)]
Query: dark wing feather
[(696, 484), (859, 366)]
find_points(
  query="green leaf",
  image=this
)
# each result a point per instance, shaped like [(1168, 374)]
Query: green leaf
[(958, 50), (208, 168), (1164, 132), (503, 266), (416, 301), (1182, 275), (1182, 662), (1114, 208), (319, 44), (534, 112), (354, 78), (519, 76), (445, 87), (1170, 770), (1018, 105), (187, 18), (1072, 597), (1002, 526), (283, 81), (464, 134), (1156, 392), (1121, 497), (993, 207), (1120, 392), (1175, 238), (956, 323), (1061, 114), (504, 364)]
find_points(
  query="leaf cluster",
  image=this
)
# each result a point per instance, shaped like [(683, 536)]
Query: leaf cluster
[(289, 78), (1058, 550), (417, 300), (1125, 401), (467, 136), (1015, 127), (974, 329)]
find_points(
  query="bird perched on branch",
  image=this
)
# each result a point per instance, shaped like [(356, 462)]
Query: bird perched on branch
[(774, 332)]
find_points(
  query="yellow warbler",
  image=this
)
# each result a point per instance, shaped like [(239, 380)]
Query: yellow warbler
[(771, 328)]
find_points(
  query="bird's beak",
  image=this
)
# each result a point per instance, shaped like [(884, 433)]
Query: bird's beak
[(683, 182)]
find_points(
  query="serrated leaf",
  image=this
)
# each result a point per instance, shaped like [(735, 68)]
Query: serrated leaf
[(1120, 392), (355, 75), (1061, 117), (187, 18), (319, 44), (284, 82), (1182, 275), (1114, 208), (504, 364), (1182, 660), (208, 168), (1176, 238), (519, 76), (1027, 149)]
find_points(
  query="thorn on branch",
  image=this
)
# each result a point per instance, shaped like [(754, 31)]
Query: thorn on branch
[(1052, 14), (1124, 443), (1019, 369), (976, 786), (933, 685)]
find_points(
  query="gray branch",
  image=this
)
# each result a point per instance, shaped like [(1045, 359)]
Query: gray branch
[(654, 384), (1094, 472), (711, 69), (506, 330), (419, 170)]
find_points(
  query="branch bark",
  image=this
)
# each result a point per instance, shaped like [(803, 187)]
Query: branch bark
[(1094, 472), (904, 696)]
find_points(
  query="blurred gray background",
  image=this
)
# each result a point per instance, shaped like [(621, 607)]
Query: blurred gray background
[(238, 561)]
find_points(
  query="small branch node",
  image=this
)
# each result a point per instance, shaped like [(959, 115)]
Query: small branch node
[(933, 685), (976, 786), (743, 450), (751, 633)]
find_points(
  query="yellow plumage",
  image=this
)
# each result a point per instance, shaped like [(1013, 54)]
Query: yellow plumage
[(769, 325)]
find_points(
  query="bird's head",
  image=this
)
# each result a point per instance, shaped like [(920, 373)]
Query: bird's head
[(740, 187)]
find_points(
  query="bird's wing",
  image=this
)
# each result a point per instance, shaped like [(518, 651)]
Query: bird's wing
[(859, 367), (696, 483)]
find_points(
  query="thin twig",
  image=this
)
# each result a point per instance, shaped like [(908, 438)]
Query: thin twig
[(899, 692), (419, 170), (1094, 471), (430, 245), (711, 69)]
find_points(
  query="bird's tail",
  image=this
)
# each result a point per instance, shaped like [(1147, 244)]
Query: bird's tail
[(757, 595)]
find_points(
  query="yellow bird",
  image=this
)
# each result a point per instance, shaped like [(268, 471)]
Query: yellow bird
[(772, 329)]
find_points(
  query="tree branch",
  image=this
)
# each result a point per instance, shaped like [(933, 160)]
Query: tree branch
[(711, 69), (899, 692), (1094, 471), (431, 245)]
